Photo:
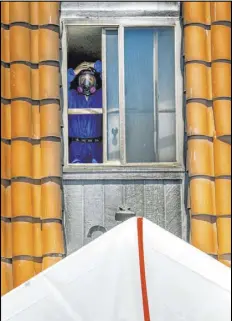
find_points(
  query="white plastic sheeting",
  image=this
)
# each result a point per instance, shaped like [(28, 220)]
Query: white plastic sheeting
[(101, 282)]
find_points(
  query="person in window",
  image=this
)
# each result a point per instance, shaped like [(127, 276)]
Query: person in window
[(85, 130)]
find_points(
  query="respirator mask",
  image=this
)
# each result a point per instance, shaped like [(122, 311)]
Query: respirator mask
[(87, 82)]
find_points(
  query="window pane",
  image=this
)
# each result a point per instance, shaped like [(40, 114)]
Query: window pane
[(166, 96), (112, 82), (167, 137), (139, 100), (150, 91), (166, 69)]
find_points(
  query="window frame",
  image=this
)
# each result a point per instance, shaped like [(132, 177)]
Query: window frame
[(120, 24)]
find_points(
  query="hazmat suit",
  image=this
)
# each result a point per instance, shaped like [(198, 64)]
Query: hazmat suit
[(85, 131)]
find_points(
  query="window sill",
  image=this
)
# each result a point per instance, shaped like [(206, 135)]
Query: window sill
[(99, 171)]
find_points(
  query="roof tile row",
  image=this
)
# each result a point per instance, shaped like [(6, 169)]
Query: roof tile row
[(207, 45), (31, 210), (35, 13)]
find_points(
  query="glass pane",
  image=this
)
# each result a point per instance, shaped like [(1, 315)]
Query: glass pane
[(112, 84), (139, 100), (166, 96), (150, 91), (167, 137), (166, 69)]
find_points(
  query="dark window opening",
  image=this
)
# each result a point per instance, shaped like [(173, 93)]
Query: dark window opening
[(85, 94)]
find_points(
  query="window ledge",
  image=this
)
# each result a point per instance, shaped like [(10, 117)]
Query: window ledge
[(157, 171)]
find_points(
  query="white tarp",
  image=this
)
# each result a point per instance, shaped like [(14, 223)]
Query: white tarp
[(101, 282)]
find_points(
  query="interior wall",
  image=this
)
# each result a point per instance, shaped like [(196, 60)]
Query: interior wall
[(84, 44)]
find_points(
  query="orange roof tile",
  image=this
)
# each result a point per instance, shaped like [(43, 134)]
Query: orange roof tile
[(30, 54), (208, 87)]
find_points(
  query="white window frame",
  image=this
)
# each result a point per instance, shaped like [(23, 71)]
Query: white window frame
[(120, 24)]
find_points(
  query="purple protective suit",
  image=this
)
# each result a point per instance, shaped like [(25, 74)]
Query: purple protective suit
[(85, 126)]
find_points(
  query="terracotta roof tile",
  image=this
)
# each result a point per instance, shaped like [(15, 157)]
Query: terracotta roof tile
[(207, 31), (25, 159)]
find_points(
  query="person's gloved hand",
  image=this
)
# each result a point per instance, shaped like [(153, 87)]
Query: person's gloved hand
[(82, 66)]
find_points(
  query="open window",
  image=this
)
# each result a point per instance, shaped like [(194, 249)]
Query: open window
[(133, 120), (85, 113)]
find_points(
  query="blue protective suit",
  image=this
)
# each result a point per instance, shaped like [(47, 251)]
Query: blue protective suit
[(85, 126)]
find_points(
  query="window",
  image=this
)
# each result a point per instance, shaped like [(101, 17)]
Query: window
[(149, 95), (84, 111), (133, 120)]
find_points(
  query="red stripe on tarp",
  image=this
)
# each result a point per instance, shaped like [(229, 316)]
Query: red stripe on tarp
[(146, 312)]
